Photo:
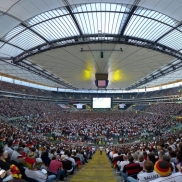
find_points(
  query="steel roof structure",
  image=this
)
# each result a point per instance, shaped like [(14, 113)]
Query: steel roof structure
[(58, 42)]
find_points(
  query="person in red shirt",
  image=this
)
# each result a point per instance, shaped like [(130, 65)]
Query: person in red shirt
[(56, 167)]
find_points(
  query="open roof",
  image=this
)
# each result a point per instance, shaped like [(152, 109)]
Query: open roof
[(58, 42)]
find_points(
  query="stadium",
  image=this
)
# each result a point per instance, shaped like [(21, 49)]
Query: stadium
[(90, 91)]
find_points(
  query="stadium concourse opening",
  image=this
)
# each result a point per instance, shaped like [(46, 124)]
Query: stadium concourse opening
[(90, 90)]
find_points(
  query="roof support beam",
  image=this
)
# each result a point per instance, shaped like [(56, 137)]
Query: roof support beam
[(127, 40), (134, 7), (66, 2), (171, 67), (75, 21)]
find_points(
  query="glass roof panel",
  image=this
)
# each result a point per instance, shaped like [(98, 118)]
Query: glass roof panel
[(57, 28), (103, 22), (13, 32), (26, 40), (180, 28), (156, 15), (9, 50), (145, 28), (173, 40), (100, 7)]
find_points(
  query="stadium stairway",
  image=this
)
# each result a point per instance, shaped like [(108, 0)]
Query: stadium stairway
[(97, 170)]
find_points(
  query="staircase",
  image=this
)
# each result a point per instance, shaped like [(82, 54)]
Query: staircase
[(97, 170)]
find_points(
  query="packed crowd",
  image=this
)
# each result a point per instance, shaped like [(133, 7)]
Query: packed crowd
[(10, 87), (19, 107), (165, 109), (47, 118), (25, 157), (46, 137), (157, 161)]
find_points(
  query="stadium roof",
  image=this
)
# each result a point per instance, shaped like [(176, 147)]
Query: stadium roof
[(59, 42)]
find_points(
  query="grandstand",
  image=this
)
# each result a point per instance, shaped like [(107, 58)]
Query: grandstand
[(91, 90)]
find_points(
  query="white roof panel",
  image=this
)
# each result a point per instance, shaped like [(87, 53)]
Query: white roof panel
[(12, 70)]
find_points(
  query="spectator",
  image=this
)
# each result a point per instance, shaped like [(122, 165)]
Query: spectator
[(56, 168), (130, 169), (147, 174), (164, 170)]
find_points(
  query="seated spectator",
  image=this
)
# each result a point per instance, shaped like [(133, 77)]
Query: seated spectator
[(151, 157), (56, 168), (147, 174), (172, 165), (30, 159), (8, 147), (172, 156), (116, 160), (141, 160), (78, 154), (39, 175), (123, 163), (39, 164), (5, 165), (72, 160), (77, 159), (17, 153), (45, 158), (67, 165), (130, 169), (164, 170)]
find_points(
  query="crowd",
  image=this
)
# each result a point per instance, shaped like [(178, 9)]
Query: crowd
[(45, 118), (25, 157), (10, 87), (165, 109), (157, 161), (20, 107), (45, 137)]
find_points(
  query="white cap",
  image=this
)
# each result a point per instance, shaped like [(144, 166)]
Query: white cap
[(44, 171), (38, 160)]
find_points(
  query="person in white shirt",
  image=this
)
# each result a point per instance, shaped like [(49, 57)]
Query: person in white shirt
[(123, 163), (16, 154), (72, 160), (8, 148), (148, 173), (39, 175), (115, 155), (101, 149)]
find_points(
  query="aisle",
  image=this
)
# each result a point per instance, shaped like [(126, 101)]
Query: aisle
[(97, 170)]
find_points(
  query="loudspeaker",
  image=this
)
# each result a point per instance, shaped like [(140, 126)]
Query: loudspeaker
[(101, 55)]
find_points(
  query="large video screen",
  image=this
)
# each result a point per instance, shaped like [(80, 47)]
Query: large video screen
[(103, 103)]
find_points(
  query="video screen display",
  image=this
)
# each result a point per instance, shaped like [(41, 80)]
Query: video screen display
[(101, 83), (101, 103)]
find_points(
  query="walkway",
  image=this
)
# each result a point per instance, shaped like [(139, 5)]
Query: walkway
[(97, 170)]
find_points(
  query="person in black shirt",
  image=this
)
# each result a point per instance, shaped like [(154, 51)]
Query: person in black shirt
[(67, 165), (3, 164)]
